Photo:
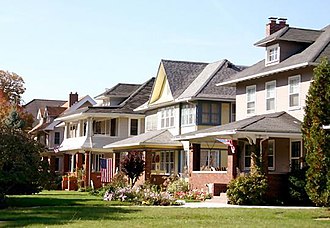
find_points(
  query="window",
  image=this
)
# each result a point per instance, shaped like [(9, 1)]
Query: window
[(251, 99), (187, 114), (271, 154), (296, 155), (167, 117), (213, 160), (72, 163), (294, 91), (151, 123), (210, 113), (96, 162), (247, 156), (57, 138), (270, 95), (273, 54), (113, 127), (233, 112), (163, 162), (134, 127), (73, 130), (57, 164)]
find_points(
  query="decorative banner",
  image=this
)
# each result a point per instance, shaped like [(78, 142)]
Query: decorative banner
[(228, 142), (106, 169)]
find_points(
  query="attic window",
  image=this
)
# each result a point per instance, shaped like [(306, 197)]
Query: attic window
[(273, 54)]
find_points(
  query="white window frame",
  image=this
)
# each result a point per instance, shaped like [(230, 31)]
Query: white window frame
[(270, 97), (245, 156), (188, 115), (254, 87), (274, 52), (130, 126), (272, 168), (233, 112), (296, 158), (294, 93), (151, 123), (161, 163), (167, 117), (73, 130)]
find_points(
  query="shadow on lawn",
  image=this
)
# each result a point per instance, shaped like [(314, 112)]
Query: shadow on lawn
[(28, 210)]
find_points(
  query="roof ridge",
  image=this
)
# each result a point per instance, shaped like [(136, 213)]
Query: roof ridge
[(220, 66), (307, 29), (182, 61), (135, 92)]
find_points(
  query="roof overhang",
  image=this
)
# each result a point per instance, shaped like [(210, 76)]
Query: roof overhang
[(263, 74), (142, 145), (78, 116), (235, 134)]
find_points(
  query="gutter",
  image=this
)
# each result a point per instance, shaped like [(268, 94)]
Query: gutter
[(292, 67)]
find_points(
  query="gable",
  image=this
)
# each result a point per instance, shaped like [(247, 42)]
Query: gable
[(161, 91)]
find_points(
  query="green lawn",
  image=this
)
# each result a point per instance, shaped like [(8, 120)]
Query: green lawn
[(75, 209)]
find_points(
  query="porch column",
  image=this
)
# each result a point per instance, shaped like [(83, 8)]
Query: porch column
[(66, 130), (186, 165), (87, 169), (232, 162)]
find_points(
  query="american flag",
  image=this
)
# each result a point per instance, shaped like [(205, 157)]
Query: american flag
[(106, 169), (228, 142)]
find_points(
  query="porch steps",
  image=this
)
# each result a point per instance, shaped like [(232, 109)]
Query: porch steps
[(219, 199)]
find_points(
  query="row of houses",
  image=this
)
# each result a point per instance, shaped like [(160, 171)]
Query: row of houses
[(180, 119)]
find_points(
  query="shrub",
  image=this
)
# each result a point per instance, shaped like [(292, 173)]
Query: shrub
[(247, 190), (297, 184), (175, 184)]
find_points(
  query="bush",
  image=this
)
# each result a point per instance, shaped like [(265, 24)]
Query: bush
[(248, 190), (297, 184), (175, 184)]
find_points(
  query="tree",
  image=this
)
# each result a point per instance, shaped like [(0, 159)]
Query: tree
[(316, 138), (11, 90), (133, 166), (20, 164), (11, 86)]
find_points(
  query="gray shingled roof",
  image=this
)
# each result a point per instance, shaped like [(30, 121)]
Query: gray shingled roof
[(121, 90), (308, 57), (291, 34), (137, 98), (280, 122), (198, 80), (180, 74), (159, 138)]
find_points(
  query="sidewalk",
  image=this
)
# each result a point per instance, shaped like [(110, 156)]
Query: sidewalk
[(223, 205)]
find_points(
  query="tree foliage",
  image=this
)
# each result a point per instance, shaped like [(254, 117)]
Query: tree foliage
[(133, 166), (20, 165), (317, 139), (11, 86), (11, 90)]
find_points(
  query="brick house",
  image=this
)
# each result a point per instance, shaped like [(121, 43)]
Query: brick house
[(184, 99), (271, 99)]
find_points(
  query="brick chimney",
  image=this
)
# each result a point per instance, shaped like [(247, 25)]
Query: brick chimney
[(73, 98), (275, 24)]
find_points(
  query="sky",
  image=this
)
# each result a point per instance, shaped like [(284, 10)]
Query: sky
[(86, 46)]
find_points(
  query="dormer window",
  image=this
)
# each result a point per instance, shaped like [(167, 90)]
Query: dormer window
[(273, 54)]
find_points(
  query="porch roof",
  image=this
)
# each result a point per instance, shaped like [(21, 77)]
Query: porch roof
[(151, 139), (279, 124)]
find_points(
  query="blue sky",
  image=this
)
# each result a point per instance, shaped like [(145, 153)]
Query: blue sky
[(59, 46)]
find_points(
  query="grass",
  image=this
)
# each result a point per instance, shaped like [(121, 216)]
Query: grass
[(77, 209)]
